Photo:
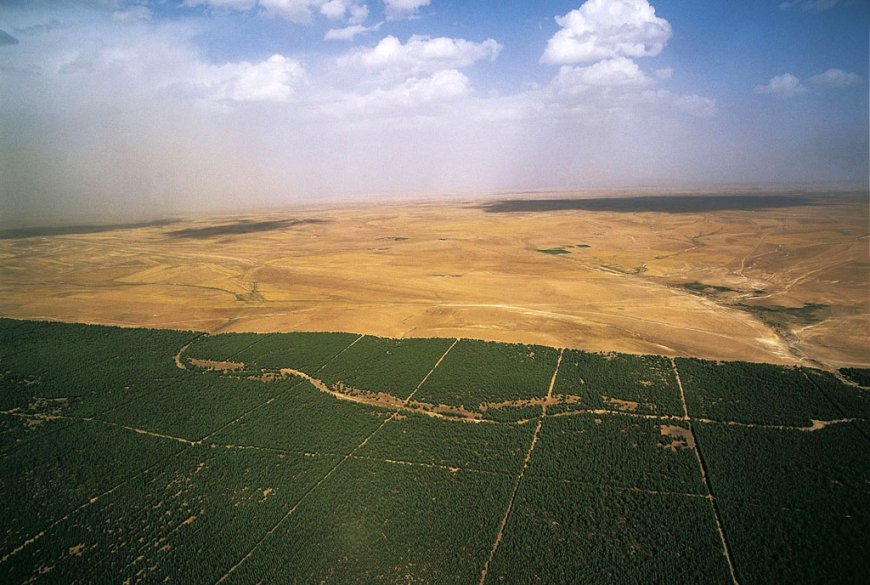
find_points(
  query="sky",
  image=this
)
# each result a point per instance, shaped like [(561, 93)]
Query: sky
[(125, 109)]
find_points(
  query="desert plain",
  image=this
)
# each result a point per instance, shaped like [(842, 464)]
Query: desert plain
[(766, 277)]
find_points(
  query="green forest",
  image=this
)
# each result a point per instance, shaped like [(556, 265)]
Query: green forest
[(154, 456)]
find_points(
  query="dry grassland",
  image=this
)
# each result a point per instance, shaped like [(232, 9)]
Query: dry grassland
[(792, 281)]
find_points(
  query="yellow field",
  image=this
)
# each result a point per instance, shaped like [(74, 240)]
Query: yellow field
[(456, 270)]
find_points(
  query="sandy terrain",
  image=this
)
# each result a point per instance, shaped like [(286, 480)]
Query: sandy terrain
[(792, 281)]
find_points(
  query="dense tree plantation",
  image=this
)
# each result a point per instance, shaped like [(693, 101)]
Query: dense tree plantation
[(377, 364), (772, 545), (422, 439), (366, 526), (752, 393), (142, 456), (644, 384), (618, 451), (306, 352), (860, 376), (513, 372), (561, 532), (850, 401)]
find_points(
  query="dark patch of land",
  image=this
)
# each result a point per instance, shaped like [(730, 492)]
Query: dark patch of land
[(661, 204), (66, 230), (242, 227), (706, 289), (808, 314)]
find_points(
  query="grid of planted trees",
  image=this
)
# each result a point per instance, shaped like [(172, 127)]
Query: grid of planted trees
[(146, 456)]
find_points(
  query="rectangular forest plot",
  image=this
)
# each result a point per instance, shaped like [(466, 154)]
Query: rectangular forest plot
[(495, 380), (374, 522), (16, 431), (560, 533), (378, 364), (826, 470), (774, 545), (616, 381), (304, 419), (48, 478), (84, 359), (223, 347), (752, 393), (860, 376), (416, 438), (195, 407), (620, 451), (17, 336), (187, 520), (851, 401), (306, 352)]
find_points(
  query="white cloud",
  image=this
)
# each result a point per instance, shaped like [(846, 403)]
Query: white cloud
[(420, 54), (292, 10), (348, 33), (358, 13), (299, 11), (809, 5), (696, 105), (836, 78), (619, 72), (272, 80), (664, 73), (354, 12), (784, 86), (441, 85), (397, 9), (604, 29), (223, 4)]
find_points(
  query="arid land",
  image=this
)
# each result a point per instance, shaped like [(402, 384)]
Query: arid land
[(766, 277)]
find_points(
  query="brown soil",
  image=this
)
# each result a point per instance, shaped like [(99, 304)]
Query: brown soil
[(327, 276), (217, 366), (623, 405), (680, 438)]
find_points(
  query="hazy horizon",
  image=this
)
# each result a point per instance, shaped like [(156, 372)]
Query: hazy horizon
[(124, 110)]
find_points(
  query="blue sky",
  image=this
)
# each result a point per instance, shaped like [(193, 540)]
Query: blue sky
[(130, 108)]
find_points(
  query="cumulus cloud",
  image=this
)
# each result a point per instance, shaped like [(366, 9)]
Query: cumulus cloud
[(606, 29), (836, 78), (354, 12), (416, 91), (397, 9), (272, 80), (784, 86), (809, 5), (420, 54), (618, 72)]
